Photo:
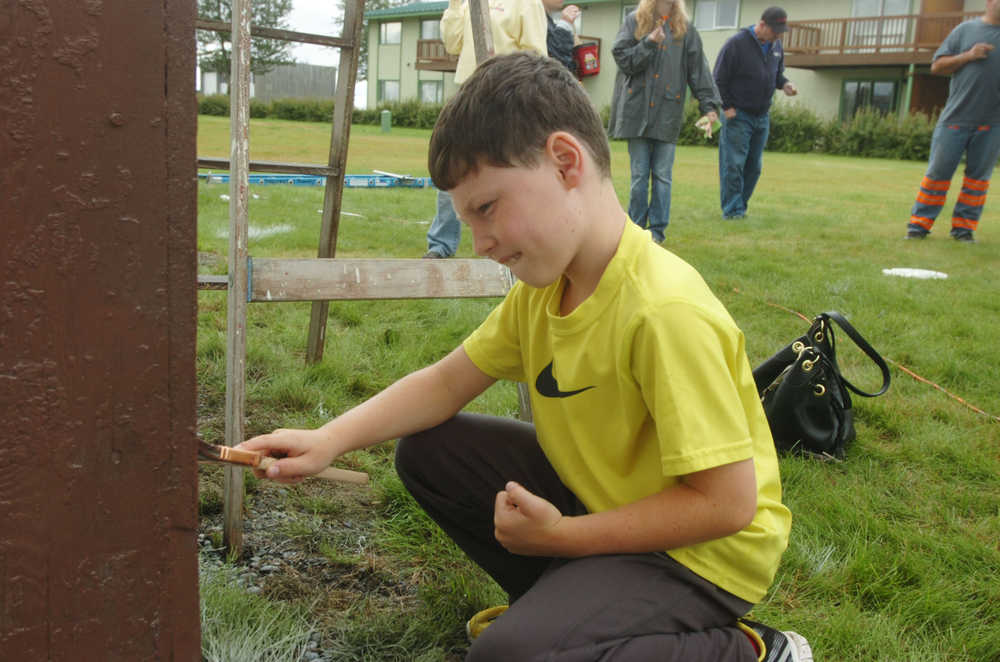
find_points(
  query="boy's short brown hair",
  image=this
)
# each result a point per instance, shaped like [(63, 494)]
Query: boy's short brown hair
[(505, 112)]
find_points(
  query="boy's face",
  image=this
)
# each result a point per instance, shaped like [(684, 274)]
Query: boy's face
[(521, 217)]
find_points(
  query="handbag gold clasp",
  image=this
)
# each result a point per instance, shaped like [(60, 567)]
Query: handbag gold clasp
[(819, 390)]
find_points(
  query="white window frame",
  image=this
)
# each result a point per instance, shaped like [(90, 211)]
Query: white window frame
[(437, 28), (438, 94), (384, 37), (382, 93), (706, 15)]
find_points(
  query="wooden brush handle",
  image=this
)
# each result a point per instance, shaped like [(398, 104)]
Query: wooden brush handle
[(330, 473)]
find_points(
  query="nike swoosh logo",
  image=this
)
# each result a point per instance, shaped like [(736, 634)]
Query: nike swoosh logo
[(547, 385)]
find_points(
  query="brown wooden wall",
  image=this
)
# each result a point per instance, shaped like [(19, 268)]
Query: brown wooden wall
[(98, 556)]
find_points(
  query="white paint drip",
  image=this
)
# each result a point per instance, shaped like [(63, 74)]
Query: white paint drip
[(258, 233)]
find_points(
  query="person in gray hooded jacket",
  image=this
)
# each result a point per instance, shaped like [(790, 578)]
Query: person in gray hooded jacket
[(659, 55)]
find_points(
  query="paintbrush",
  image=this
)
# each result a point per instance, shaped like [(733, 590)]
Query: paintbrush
[(214, 453)]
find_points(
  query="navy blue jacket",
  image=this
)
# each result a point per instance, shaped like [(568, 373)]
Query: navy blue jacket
[(745, 77), (560, 44)]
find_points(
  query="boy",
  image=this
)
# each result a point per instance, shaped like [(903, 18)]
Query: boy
[(639, 517)]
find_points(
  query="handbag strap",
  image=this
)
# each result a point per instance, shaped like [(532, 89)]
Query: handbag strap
[(853, 334)]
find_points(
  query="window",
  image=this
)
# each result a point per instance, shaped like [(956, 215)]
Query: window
[(877, 95), (388, 90), (390, 33), (431, 91), (874, 29), (880, 7), (430, 29), (717, 14)]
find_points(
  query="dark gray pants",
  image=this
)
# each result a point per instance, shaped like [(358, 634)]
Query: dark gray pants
[(623, 607)]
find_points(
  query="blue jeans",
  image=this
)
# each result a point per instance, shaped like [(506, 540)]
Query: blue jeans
[(650, 157), (981, 147), (446, 229), (741, 150)]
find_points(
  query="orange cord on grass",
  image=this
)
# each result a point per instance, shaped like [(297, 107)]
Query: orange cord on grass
[(945, 391), (900, 366)]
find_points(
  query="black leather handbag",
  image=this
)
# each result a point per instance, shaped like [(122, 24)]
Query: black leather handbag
[(806, 398)]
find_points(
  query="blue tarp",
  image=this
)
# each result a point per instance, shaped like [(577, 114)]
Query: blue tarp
[(350, 181)]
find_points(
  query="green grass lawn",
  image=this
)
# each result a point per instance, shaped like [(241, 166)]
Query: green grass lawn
[(894, 553)]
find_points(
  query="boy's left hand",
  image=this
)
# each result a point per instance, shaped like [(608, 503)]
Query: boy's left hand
[(525, 523)]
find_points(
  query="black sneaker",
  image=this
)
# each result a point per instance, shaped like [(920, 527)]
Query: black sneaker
[(916, 233), (964, 237), (777, 646)]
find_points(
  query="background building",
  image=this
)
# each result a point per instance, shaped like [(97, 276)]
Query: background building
[(843, 55), (285, 81)]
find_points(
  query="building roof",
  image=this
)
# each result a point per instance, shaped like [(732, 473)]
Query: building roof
[(413, 9)]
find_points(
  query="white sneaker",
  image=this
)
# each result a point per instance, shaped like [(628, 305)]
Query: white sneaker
[(776, 646)]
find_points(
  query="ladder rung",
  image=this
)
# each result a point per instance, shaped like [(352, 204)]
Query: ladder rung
[(213, 282), (328, 279), (275, 33), (272, 166), (341, 279)]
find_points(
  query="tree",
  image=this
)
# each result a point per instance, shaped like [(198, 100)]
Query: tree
[(214, 48)]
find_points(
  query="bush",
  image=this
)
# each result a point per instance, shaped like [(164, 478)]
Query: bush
[(213, 104), (302, 110), (410, 113), (690, 134), (795, 129), (259, 109), (915, 133)]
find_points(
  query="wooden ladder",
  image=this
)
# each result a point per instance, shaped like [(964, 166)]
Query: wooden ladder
[(324, 278)]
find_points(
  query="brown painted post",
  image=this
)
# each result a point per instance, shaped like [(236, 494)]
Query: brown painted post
[(98, 557)]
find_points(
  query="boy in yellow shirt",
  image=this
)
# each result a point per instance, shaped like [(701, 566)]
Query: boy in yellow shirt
[(640, 517)]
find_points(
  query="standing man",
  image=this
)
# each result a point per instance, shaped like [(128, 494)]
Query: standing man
[(969, 125), (517, 25), (561, 34), (750, 67)]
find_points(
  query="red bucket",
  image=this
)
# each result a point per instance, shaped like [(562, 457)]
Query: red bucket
[(588, 59)]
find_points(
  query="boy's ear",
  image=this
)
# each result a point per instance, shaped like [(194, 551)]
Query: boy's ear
[(567, 153)]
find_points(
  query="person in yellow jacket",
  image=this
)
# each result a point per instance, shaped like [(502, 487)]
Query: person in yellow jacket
[(518, 25)]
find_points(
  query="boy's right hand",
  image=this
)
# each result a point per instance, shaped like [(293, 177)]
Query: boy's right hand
[(302, 454)]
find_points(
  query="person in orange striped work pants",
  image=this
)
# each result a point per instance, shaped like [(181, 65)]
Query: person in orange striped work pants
[(969, 126)]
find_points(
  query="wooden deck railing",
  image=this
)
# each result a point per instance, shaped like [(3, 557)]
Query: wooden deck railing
[(875, 35), (431, 56)]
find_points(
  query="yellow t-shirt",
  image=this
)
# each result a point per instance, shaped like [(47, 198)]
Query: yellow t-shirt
[(518, 25), (645, 381)]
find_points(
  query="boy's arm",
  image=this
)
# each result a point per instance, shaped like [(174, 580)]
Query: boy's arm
[(416, 402), (706, 505)]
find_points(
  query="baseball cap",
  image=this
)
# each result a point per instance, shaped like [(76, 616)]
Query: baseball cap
[(776, 19)]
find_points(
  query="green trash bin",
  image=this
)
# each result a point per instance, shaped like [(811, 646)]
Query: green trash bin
[(386, 117)]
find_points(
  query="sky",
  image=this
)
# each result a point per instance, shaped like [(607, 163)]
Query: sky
[(315, 17), (318, 17)]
